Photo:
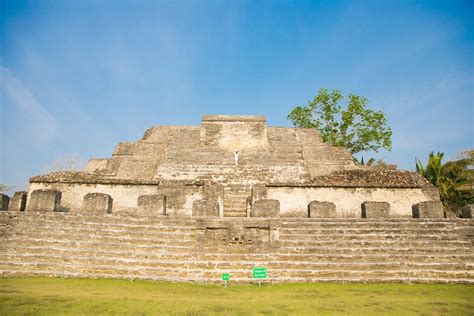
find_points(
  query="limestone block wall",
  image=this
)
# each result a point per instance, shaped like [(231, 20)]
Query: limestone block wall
[(234, 132), (69, 244), (180, 198), (294, 200), (18, 201)]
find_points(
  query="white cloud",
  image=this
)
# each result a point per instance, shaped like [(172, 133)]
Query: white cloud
[(29, 115)]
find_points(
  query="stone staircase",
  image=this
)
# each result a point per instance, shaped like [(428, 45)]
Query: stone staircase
[(235, 200), (308, 250)]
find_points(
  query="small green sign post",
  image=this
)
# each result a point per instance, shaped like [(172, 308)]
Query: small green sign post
[(225, 278), (259, 273)]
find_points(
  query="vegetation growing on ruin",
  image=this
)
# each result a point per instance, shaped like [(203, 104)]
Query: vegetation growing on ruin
[(375, 163), (50, 296), (354, 126)]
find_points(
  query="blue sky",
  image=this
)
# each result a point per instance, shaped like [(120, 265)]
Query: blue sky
[(77, 77)]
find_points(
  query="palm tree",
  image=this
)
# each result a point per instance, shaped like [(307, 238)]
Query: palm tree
[(454, 179), (432, 170)]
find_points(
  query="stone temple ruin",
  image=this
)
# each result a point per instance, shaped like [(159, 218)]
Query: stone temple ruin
[(191, 202)]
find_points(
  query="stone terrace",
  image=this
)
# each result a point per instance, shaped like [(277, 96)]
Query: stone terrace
[(293, 250)]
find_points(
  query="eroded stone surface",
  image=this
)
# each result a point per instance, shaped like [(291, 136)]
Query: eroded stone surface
[(428, 209), (18, 201), (45, 201), (97, 202), (155, 203), (205, 208), (321, 209), (266, 208), (374, 209), (4, 201)]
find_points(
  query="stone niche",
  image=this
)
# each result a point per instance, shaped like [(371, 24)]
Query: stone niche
[(18, 202), (97, 203), (321, 209), (237, 234), (153, 203), (4, 201), (206, 208), (374, 209), (234, 132), (428, 209), (266, 208), (45, 201)]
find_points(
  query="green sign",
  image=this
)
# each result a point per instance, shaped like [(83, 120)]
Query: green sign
[(259, 273), (225, 276)]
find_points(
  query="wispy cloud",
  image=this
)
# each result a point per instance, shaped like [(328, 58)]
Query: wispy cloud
[(36, 121)]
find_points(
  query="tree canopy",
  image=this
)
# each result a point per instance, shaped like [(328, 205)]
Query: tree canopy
[(354, 126)]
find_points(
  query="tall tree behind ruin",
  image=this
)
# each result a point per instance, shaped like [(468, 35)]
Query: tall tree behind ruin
[(355, 127), (68, 162)]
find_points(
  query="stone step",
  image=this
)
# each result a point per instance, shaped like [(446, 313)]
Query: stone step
[(124, 246), (108, 224), (235, 213), (277, 269), (215, 278), (59, 260), (310, 222), (17, 244), (85, 232), (467, 256), (372, 250), (369, 236), (374, 243), (99, 244), (299, 227), (275, 275), (175, 240), (341, 229)]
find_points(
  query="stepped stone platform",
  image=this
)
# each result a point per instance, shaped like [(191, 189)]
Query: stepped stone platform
[(188, 203), (200, 250)]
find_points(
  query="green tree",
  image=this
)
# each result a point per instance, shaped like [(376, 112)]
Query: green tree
[(354, 126)]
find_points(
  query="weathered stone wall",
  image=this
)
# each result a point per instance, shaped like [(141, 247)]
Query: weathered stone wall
[(428, 209), (321, 209), (322, 158), (266, 208), (97, 202), (45, 200), (232, 132), (18, 201), (294, 201), (152, 203), (180, 198), (4, 202), (87, 245), (374, 209)]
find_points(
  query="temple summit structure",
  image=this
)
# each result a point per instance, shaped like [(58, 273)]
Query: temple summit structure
[(236, 166)]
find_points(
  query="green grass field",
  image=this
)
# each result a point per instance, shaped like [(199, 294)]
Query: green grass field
[(53, 296)]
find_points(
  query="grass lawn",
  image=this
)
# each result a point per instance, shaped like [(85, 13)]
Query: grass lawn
[(54, 296)]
